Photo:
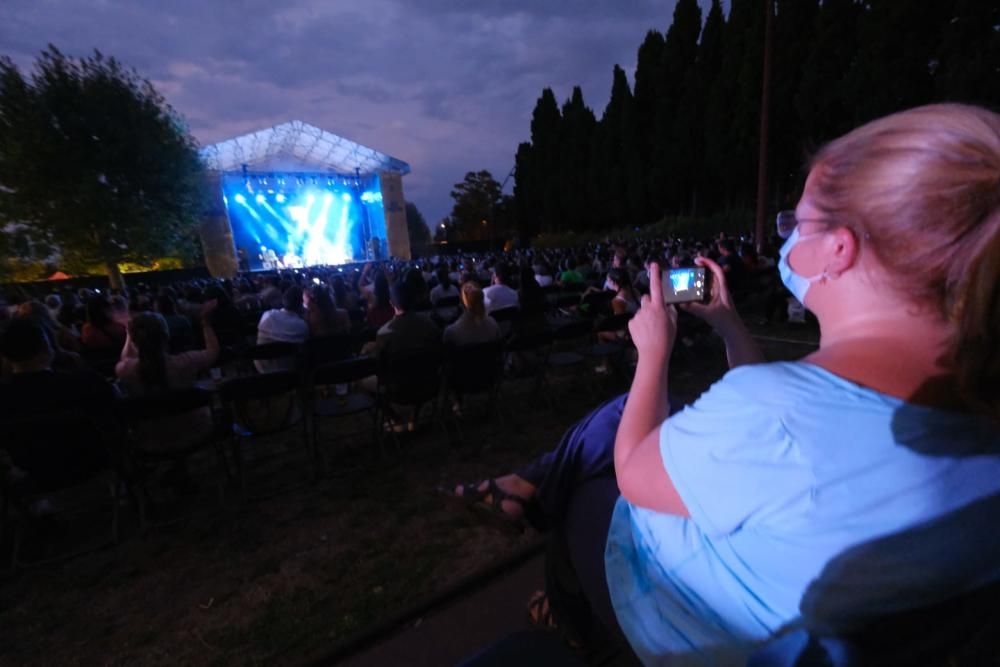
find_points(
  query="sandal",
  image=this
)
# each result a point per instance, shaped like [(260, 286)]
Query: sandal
[(474, 499), (540, 612)]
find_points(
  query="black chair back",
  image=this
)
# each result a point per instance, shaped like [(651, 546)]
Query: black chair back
[(327, 349), (161, 405), (474, 369), (345, 371), (55, 450), (411, 377), (264, 403), (271, 351), (259, 387)]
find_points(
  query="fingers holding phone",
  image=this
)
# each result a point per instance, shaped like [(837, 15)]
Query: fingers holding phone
[(654, 327), (718, 306)]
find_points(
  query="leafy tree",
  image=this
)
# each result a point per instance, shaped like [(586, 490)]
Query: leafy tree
[(416, 226), (473, 215), (821, 99), (545, 128), (577, 130), (526, 183), (96, 163), (648, 90), (672, 140)]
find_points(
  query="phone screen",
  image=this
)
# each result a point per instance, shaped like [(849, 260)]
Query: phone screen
[(683, 285)]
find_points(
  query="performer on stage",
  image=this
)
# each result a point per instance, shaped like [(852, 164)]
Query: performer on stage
[(291, 260), (268, 258)]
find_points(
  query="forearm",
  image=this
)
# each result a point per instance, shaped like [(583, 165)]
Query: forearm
[(741, 348), (646, 408)]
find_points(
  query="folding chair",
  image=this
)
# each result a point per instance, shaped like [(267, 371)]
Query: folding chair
[(259, 405), (282, 356), (527, 356), (475, 369), (327, 349), (170, 427), (412, 379), (54, 457), (326, 406)]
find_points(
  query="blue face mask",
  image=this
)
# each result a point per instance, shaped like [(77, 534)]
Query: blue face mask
[(797, 284)]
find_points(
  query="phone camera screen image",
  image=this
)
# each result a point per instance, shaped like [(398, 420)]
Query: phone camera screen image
[(683, 285)]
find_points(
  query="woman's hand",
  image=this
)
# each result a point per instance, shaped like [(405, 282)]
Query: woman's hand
[(654, 327), (719, 310)]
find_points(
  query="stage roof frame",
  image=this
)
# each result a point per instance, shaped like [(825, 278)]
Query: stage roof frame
[(302, 142)]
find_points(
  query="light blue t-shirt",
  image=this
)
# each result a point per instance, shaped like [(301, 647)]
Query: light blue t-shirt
[(808, 495)]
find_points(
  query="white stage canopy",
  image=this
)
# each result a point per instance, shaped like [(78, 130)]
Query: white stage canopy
[(302, 144)]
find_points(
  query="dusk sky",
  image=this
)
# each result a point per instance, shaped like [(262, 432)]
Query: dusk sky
[(446, 85)]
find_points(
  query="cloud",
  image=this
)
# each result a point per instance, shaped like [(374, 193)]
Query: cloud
[(446, 85)]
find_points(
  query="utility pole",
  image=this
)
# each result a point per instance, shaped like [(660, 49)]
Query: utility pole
[(765, 110)]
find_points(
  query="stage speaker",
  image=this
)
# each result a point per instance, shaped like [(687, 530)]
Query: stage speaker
[(397, 234)]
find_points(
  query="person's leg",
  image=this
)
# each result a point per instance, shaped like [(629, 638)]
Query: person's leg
[(585, 451)]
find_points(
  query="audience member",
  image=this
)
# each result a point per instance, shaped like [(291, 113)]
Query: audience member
[(473, 325), (101, 331), (146, 364), (499, 295), (444, 288), (322, 314), (284, 325)]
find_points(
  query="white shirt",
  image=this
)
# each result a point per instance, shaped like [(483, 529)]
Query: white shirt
[(498, 297), (440, 292), (280, 326), (543, 281)]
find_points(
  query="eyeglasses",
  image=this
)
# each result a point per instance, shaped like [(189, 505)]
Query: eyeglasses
[(787, 222)]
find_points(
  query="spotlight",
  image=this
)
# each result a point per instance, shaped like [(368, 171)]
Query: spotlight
[(345, 197), (240, 199), (280, 198), (328, 198), (260, 199)]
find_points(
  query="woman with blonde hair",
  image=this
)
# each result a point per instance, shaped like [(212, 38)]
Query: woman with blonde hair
[(474, 325), (852, 485)]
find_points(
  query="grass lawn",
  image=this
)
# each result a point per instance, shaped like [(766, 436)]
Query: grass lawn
[(282, 579)]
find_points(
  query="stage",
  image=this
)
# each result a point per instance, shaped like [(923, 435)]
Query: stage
[(293, 196)]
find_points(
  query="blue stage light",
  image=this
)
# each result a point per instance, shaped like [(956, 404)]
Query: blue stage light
[(310, 198), (240, 199), (328, 198), (280, 198), (345, 197), (261, 199)]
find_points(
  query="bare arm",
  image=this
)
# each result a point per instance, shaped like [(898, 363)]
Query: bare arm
[(642, 477), (721, 314)]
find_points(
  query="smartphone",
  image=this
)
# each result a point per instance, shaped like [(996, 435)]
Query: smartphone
[(684, 285), (316, 281)]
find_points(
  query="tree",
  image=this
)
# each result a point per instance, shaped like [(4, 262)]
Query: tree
[(417, 229), (416, 226), (474, 212), (96, 163), (577, 131)]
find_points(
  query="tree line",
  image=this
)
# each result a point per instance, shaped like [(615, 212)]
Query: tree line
[(682, 140)]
